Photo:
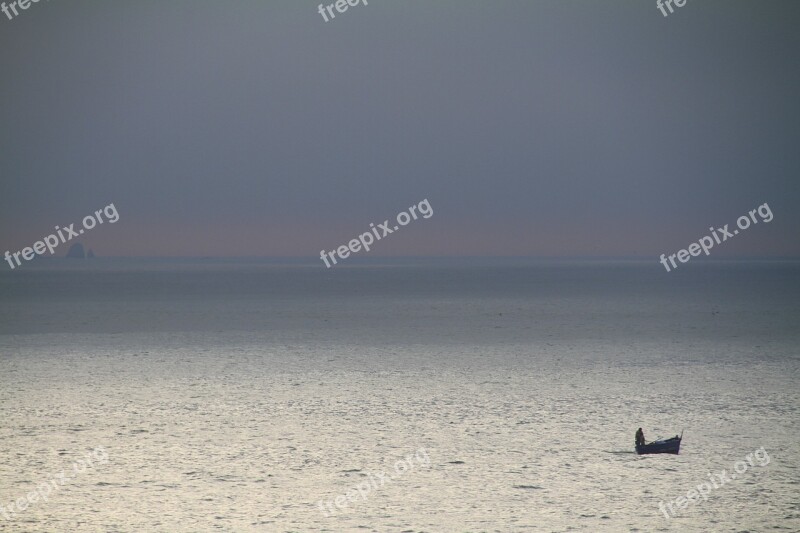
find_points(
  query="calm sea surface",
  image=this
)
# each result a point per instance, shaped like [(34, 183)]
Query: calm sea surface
[(249, 396)]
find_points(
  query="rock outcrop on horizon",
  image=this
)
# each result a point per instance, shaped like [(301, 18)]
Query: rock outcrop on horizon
[(76, 251)]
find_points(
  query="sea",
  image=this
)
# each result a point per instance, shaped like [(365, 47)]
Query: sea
[(410, 396)]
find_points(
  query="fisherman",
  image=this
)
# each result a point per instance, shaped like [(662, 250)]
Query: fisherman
[(639, 437)]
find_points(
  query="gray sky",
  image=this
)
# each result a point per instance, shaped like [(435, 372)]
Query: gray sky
[(545, 128)]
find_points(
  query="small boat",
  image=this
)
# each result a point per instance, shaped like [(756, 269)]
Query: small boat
[(672, 445)]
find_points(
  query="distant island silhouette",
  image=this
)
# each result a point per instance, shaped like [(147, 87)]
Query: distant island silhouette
[(76, 251)]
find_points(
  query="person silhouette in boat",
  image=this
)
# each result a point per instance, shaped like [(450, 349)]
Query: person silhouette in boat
[(639, 437)]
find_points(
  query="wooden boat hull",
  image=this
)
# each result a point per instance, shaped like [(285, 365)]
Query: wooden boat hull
[(672, 446)]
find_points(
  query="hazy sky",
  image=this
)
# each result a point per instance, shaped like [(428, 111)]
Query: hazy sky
[(542, 128)]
